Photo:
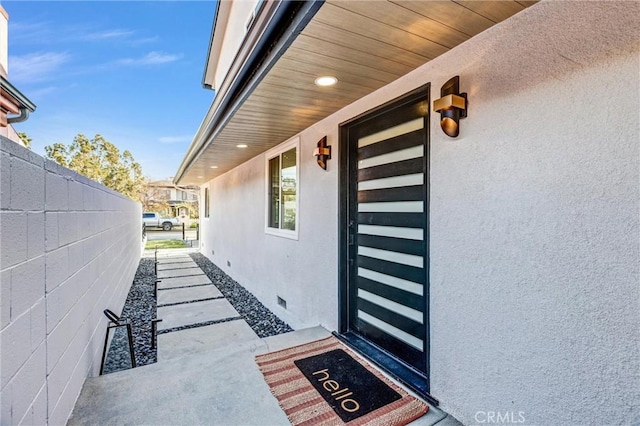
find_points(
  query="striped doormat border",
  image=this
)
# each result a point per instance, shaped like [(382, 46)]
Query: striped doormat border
[(303, 405)]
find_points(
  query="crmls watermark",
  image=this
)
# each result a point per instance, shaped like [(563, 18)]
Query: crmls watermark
[(500, 417)]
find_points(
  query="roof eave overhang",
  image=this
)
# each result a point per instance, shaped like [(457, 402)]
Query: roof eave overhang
[(275, 28), (21, 100), (268, 95)]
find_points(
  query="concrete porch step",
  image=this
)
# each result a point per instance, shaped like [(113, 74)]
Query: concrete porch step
[(203, 339), (221, 386)]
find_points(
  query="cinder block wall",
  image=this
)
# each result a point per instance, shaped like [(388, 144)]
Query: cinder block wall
[(69, 249)]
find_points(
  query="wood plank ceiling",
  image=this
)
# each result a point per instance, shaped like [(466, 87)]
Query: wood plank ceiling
[(366, 45)]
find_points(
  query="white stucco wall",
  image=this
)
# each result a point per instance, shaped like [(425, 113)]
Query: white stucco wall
[(302, 271), (534, 221), (4, 42), (69, 249), (234, 33)]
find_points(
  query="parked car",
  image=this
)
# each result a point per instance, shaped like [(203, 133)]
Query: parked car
[(154, 220)]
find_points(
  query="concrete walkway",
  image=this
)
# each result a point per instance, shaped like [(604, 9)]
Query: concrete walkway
[(206, 373)]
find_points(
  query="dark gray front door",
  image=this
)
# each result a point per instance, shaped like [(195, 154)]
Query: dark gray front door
[(385, 240)]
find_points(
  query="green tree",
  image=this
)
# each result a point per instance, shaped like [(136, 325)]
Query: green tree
[(100, 160), (153, 199), (26, 140)]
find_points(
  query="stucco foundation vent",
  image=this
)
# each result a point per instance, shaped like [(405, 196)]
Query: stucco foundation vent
[(282, 302)]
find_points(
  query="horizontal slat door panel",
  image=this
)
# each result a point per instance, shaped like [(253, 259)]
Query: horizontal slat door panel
[(399, 283), (411, 300), (409, 220), (392, 157), (399, 168), (408, 273), (384, 337), (400, 245), (397, 143), (408, 193), (390, 317)]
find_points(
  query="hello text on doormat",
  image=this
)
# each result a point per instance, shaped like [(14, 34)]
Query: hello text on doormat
[(349, 388)]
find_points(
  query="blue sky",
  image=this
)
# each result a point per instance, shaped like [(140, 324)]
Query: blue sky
[(128, 70)]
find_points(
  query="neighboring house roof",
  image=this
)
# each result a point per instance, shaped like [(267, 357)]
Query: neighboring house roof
[(167, 185), (268, 94), (170, 185), (162, 183)]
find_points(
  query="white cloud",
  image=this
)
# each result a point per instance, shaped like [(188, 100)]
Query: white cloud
[(145, 40), (109, 34), (151, 58), (174, 139), (29, 32), (34, 67), (42, 92)]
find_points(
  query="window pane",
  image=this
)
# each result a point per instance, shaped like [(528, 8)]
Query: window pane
[(289, 186), (206, 202), (274, 192)]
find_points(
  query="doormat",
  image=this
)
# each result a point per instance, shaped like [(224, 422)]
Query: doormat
[(349, 388), (324, 383)]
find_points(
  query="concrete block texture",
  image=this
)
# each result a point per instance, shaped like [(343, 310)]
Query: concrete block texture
[(35, 234), (57, 267), (57, 196), (5, 405), (76, 256), (27, 383), (5, 298), (76, 196), (27, 285), (5, 180), (63, 259), (27, 186), (38, 323), (68, 228), (37, 413), (51, 241), (15, 348), (13, 244)]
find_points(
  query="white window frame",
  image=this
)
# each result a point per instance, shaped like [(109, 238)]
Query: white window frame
[(279, 150)]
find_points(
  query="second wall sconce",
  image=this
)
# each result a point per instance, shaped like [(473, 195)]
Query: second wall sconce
[(323, 153), (452, 106)]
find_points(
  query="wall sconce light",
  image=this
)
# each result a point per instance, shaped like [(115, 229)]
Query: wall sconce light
[(323, 153), (452, 106)]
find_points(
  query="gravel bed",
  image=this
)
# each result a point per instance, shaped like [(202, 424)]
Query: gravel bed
[(263, 322), (139, 309)]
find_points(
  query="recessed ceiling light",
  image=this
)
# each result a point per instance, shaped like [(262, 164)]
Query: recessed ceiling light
[(327, 80), (213, 167), (242, 145)]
